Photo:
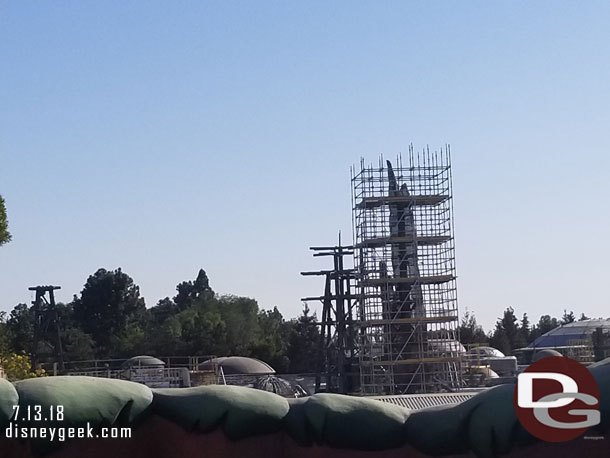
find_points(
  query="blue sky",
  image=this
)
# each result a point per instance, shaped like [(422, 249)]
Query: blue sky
[(162, 137)]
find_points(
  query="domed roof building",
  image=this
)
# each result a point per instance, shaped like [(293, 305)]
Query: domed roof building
[(142, 361), (234, 365), (569, 334)]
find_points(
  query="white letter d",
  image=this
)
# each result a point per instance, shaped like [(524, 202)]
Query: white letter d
[(525, 389)]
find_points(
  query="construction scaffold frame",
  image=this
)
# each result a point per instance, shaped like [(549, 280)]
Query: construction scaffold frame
[(404, 260)]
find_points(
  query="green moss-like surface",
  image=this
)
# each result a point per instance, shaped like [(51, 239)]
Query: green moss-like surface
[(352, 422), (240, 412)]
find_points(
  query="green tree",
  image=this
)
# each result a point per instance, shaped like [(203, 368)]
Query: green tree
[(5, 338), (109, 307), (77, 344), (172, 329), (303, 350), (507, 335), (545, 324), (5, 235), (241, 317), (165, 308), (196, 322), (271, 341), (20, 335), (190, 293), (20, 329), (470, 331), (162, 328), (201, 331), (130, 341), (525, 330), (567, 317)]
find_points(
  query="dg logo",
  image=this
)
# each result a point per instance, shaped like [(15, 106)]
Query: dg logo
[(557, 399)]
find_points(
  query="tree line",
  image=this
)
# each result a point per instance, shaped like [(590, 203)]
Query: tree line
[(511, 333), (109, 320)]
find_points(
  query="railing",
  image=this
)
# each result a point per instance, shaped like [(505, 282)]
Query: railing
[(153, 377), (191, 363)]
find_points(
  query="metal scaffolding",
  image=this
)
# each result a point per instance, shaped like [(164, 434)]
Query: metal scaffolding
[(405, 275)]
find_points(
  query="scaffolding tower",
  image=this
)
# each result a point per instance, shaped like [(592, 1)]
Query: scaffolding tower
[(405, 275)]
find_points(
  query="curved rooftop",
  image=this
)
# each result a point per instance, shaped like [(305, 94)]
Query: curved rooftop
[(233, 365), (566, 334), (143, 361), (486, 351)]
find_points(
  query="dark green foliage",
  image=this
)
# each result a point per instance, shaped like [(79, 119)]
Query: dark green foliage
[(109, 320), (221, 326), (190, 293), (525, 330), (110, 310), (304, 343), (240, 315), (5, 342), (165, 308), (507, 336), (20, 328), (567, 317), (17, 335), (545, 324), (77, 344), (271, 342), (470, 331), (196, 322), (5, 235)]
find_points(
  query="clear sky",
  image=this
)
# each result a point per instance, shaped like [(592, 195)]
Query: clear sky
[(167, 136)]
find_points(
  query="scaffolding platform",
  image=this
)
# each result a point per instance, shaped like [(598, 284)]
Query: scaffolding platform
[(416, 361), (381, 241), (369, 202), (422, 319), (439, 279)]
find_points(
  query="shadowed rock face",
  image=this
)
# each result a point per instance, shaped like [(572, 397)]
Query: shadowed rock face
[(404, 254), (404, 300)]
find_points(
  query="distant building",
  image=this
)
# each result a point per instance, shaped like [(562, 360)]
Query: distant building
[(575, 340), (570, 334)]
